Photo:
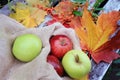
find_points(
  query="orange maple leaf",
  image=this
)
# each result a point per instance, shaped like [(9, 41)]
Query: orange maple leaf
[(62, 12), (64, 8), (94, 35)]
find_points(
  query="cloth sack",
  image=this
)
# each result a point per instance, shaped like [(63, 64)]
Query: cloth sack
[(38, 68)]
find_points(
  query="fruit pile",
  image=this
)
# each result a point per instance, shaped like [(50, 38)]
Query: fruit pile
[(27, 47), (75, 62)]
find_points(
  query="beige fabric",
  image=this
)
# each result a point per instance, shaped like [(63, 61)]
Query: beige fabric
[(37, 69)]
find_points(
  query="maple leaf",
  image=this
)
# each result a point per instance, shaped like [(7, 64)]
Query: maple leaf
[(20, 12), (29, 22), (94, 35), (22, 15), (108, 48), (38, 14), (64, 8), (63, 12), (28, 15)]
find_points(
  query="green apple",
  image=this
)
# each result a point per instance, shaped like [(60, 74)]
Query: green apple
[(26, 47), (76, 64)]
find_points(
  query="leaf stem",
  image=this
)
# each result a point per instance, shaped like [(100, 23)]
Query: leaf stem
[(97, 3), (9, 5)]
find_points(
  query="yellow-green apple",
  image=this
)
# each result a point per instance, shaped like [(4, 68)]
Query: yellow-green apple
[(76, 64), (26, 47), (60, 44), (54, 61)]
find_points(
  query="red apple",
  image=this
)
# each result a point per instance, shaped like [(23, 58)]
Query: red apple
[(54, 61), (60, 44)]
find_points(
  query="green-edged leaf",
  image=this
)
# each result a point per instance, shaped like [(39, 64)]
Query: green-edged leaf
[(79, 1), (98, 9), (97, 3), (117, 61), (77, 13)]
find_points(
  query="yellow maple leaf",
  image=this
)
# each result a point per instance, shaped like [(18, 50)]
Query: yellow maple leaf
[(90, 27), (29, 22), (38, 14), (29, 16), (22, 14)]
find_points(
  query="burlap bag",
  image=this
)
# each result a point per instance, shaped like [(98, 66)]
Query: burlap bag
[(37, 69)]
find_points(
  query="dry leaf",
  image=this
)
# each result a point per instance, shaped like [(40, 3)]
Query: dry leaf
[(29, 22), (94, 35), (38, 14), (107, 51), (64, 8), (22, 14), (29, 16), (63, 13)]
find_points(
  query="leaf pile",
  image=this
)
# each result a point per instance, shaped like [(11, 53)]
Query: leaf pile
[(63, 12)]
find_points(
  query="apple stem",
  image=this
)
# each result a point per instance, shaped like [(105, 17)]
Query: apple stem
[(77, 58), (63, 42)]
